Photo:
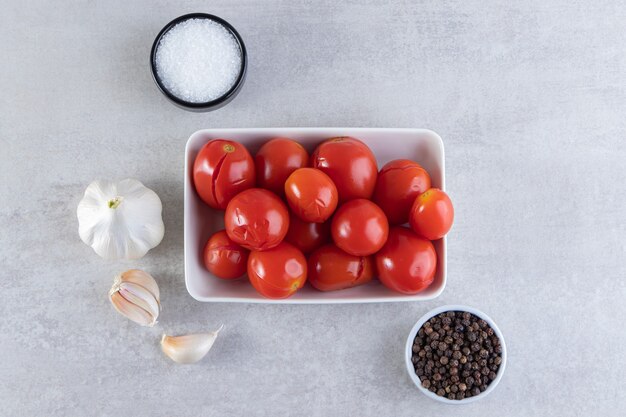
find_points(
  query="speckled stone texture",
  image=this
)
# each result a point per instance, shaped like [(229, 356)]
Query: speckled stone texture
[(530, 99)]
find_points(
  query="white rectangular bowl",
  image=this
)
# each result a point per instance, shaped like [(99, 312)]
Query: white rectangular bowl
[(420, 145)]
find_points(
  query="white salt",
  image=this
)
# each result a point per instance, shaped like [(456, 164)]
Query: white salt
[(198, 60)]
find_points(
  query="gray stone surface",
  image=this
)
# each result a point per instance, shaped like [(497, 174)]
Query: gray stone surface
[(530, 98)]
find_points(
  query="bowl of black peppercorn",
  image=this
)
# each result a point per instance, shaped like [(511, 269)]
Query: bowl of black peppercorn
[(455, 354)]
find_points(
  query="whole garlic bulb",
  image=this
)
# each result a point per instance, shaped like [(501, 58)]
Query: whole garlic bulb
[(120, 220), (135, 295)]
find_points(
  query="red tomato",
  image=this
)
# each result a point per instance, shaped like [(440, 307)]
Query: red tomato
[(278, 272), (307, 236), (276, 160), (407, 263), (398, 185), (360, 227), (224, 258), (432, 214), (350, 164), (332, 269), (311, 194), (256, 219), (222, 169)]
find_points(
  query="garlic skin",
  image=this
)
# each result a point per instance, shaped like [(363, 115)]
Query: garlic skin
[(189, 348), (120, 220), (135, 295)]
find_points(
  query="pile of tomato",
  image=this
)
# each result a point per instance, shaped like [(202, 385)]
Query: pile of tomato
[(330, 218)]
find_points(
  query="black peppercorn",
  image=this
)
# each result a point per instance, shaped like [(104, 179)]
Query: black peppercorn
[(456, 355)]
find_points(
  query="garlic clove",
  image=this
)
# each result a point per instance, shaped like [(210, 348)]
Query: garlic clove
[(141, 297), (131, 311), (135, 294), (189, 348), (139, 277)]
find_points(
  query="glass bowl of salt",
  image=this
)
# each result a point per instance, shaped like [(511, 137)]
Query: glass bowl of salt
[(199, 62)]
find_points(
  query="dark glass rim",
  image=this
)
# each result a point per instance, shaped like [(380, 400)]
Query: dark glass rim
[(207, 104)]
